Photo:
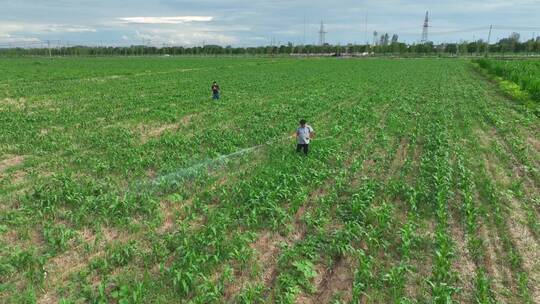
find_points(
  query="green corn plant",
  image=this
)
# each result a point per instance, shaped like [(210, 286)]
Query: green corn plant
[(363, 276), (107, 160), (483, 293), (57, 236), (251, 294)]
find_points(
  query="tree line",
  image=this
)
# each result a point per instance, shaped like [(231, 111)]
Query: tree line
[(385, 45)]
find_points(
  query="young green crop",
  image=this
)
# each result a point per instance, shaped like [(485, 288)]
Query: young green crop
[(525, 73), (122, 181)]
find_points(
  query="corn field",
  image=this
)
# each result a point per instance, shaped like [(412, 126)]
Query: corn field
[(122, 181)]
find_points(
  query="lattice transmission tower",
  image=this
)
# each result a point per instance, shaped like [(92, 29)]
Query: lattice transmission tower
[(425, 29), (322, 35)]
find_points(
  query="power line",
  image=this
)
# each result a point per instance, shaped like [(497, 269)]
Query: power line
[(516, 28), (52, 44)]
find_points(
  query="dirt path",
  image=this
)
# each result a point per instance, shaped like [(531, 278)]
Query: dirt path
[(463, 262), (502, 285), (526, 244)]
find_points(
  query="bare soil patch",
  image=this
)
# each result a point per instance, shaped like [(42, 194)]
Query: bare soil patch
[(151, 173), (10, 237), (25, 104), (11, 161), (167, 72), (519, 169), (267, 251), (148, 133), (527, 246), (330, 281), (48, 298), (168, 219), (339, 279), (525, 242), (18, 177), (416, 285), (534, 142), (490, 160), (463, 263), (400, 157), (112, 234), (186, 120), (105, 78), (499, 272), (61, 267), (169, 211), (11, 102)]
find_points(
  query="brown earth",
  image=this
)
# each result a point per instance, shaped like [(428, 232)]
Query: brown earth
[(11, 102), (11, 161), (526, 244), (463, 262), (400, 157), (147, 133), (534, 143), (416, 286), (330, 281), (499, 272), (267, 249)]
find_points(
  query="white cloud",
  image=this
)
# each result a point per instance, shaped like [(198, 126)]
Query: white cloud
[(290, 32), (26, 32), (29, 27), (165, 20), (188, 37), (258, 38), (19, 41), (62, 28)]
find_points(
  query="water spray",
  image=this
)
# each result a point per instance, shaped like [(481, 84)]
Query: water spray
[(176, 177)]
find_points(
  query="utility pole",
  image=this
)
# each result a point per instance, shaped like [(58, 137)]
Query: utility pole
[(489, 40), (49, 48), (322, 34), (303, 43), (531, 48), (475, 45), (304, 37), (365, 29)]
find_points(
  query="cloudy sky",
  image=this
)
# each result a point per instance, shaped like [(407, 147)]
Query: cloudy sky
[(257, 22)]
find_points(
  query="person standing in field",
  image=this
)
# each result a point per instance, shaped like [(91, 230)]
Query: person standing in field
[(215, 91), (304, 134)]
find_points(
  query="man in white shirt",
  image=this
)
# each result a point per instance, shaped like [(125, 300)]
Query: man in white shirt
[(303, 135)]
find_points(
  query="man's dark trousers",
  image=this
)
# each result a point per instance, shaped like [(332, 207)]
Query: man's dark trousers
[(301, 147)]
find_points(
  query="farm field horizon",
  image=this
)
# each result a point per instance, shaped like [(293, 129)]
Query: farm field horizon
[(122, 181)]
